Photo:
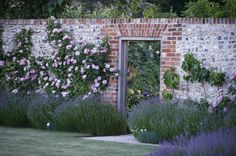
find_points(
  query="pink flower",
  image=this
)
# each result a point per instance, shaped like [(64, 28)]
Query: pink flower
[(96, 84), (22, 79), (64, 94), (86, 51), (2, 63), (14, 91), (99, 78), (219, 99), (95, 90), (66, 37), (233, 75), (68, 47), (55, 30), (94, 50), (84, 61), (22, 62), (225, 109)]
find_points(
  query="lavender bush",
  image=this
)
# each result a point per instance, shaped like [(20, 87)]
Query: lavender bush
[(41, 109), (13, 109), (164, 118), (90, 116), (217, 143)]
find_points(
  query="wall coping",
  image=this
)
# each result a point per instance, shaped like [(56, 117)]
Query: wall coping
[(106, 21)]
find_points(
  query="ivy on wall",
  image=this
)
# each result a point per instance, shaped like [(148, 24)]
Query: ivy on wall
[(72, 70)]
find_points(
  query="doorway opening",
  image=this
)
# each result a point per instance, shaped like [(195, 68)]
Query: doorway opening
[(139, 65)]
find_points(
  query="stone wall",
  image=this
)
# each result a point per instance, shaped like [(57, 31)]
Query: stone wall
[(213, 41)]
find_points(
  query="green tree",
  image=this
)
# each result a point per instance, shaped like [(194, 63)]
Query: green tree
[(202, 8)]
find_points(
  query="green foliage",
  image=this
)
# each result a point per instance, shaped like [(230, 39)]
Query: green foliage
[(195, 71), (143, 71), (134, 96), (72, 12), (217, 78), (229, 8), (25, 9), (167, 95), (41, 109), (13, 109), (171, 78), (90, 116), (202, 8)]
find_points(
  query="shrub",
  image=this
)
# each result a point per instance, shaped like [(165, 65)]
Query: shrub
[(13, 109), (164, 118), (148, 137), (217, 143), (41, 109), (90, 116)]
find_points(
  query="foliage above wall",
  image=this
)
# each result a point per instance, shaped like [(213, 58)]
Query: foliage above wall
[(72, 70)]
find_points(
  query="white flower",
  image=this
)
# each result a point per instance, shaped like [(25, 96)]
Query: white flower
[(21, 51), (53, 91), (74, 61), (76, 68), (14, 91), (107, 65), (53, 18), (112, 69), (48, 124), (104, 82), (77, 53), (84, 77), (69, 75), (45, 78), (87, 67)]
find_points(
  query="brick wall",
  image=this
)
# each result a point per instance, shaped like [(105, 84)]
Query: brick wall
[(212, 41)]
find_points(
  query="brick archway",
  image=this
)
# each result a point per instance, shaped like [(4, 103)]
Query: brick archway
[(168, 34)]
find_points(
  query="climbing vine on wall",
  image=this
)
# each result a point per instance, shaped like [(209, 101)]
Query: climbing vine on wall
[(72, 70), (21, 67)]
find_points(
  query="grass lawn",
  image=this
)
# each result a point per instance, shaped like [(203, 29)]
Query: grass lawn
[(25, 142)]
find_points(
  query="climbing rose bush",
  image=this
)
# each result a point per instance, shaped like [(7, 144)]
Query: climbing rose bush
[(20, 66), (73, 69)]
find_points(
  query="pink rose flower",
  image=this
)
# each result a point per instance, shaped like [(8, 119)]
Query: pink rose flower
[(2, 63), (68, 47), (64, 94)]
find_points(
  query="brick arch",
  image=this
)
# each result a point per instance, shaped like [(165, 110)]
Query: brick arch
[(168, 34)]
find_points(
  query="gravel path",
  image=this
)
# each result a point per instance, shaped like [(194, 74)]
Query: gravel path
[(121, 138)]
